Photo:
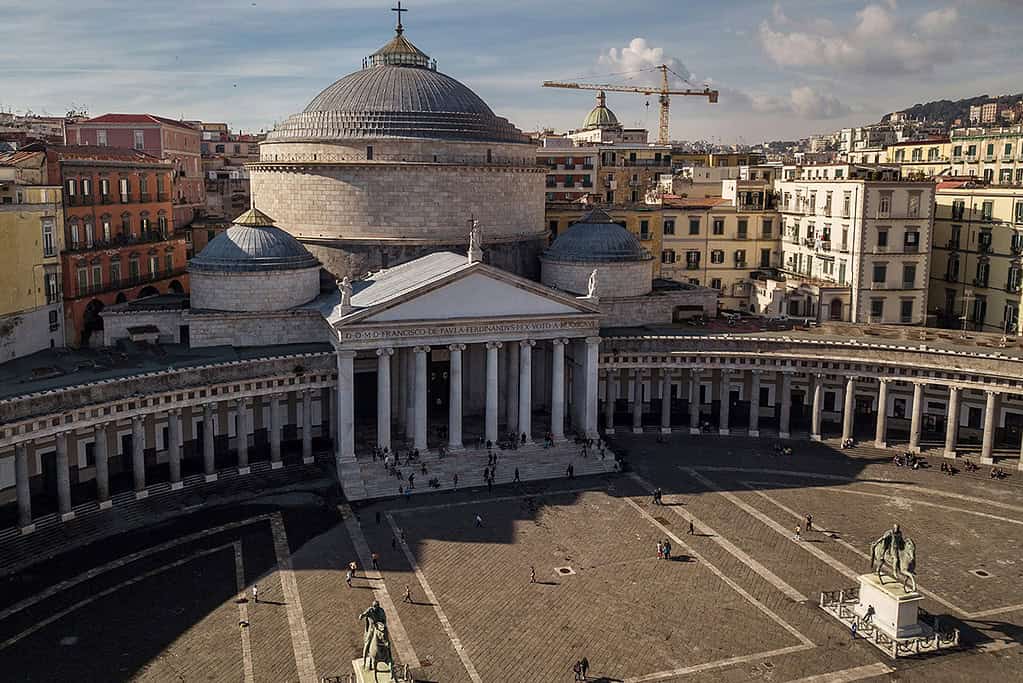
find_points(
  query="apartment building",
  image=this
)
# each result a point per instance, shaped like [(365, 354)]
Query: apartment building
[(992, 155), (978, 246), (31, 216), (861, 236), (224, 155), (921, 158), (572, 170)]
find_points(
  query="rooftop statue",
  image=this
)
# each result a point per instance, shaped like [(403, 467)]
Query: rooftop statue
[(345, 287)]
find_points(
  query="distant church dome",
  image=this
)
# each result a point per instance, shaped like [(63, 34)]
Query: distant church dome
[(596, 238), (600, 116), (398, 93), (253, 266)]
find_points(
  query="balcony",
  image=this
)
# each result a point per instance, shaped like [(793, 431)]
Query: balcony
[(980, 282), (569, 167), (121, 240), (130, 281), (740, 264), (984, 247), (587, 167), (692, 266), (647, 163), (911, 248), (825, 245), (951, 277)]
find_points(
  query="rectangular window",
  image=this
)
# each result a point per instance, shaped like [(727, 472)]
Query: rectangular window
[(742, 229), (694, 226), (669, 226), (740, 257), (140, 139), (101, 138), (906, 311), (882, 238), (667, 256), (958, 209), (124, 188), (719, 226), (765, 258), (644, 229), (49, 248), (715, 283), (767, 228), (154, 265), (877, 309), (369, 153), (909, 276), (880, 273), (693, 258), (846, 204), (911, 240), (115, 273), (884, 206), (168, 263), (987, 210), (97, 276), (914, 205), (83, 280), (70, 189)]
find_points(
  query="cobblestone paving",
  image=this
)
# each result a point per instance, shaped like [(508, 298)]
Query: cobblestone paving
[(724, 612)]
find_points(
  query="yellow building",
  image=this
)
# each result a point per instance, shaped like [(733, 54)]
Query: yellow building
[(976, 257), (645, 221), (921, 158), (31, 220)]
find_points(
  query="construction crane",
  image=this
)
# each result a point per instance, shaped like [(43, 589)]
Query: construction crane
[(664, 94)]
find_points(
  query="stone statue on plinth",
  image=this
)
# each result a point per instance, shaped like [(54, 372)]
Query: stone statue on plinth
[(898, 554), (591, 286), (475, 242), (376, 644), (345, 288)]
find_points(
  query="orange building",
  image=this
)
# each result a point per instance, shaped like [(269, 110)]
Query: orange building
[(118, 237)]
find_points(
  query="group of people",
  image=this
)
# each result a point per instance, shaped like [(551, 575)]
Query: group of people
[(909, 459), (780, 449), (664, 550), (581, 669), (948, 469)]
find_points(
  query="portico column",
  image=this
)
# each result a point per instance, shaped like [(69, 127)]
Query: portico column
[(307, 426), (275, 432), (848, 409), (610, 394), (23, 488), (242, 407), (138, 456), (526, 388), (410, 393), (786, 405), (637, 402), (174, 447), (665, 401), (990, 424), (101, 450), (455, 397), (383, 398), (209, 465), (592, 368), (724, 403), (492, 391), (419, 439), (63, 478), (880, 433), (915, 423), (346, 405), (558, 389), (818, 408), (512, 404), (754, 404), (952, 422), (694, 401)]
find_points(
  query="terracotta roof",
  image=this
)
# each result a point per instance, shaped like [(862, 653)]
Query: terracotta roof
[(952, 184), (138, 118), (102, 153), (12, 158)]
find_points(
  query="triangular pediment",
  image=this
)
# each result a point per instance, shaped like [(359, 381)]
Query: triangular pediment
[(477, 294)]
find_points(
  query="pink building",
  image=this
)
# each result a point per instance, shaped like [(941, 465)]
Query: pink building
[(174, 141)]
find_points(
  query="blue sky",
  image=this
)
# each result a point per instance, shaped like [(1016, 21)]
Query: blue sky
[(785, 69)]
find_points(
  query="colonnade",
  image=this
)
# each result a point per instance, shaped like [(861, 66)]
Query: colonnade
[(104, 433), (782, 380)]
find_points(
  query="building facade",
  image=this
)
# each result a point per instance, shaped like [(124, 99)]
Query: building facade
[(921, 158), (175, 141), (224, 155), (571, 170), (994, 156), (978, 246)]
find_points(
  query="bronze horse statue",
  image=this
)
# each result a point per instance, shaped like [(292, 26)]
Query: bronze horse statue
[(898, 554), (378, 649)]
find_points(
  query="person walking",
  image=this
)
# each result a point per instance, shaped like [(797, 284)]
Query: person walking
[(456, 480), (532, 574), (408, 595), (411, 481), (660, 550), (667, 549), (809, 523), (570, 471), (517, 480), (584, 665), (691, 530), (798, 535), (255, 592), (479, 520), (348, 577), (376, 561), (490, 484), (577, 669)]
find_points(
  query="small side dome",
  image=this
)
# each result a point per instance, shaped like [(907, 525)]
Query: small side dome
[(596, 238), (600, 116), (252, 244)]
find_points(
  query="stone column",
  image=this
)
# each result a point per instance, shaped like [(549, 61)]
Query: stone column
[(818, 408), (665, 401), (724, 402), (102, 453), (455, 397), (849, 409), (410, 393), (419, 439), (23, 488), (952, 422), (610, 393), (990, 425), (307, 425), (592, 368), (694, 401), (637, 402), (383, 398), (526, 389), (346, 405), (880, 433), (915, 424), (492, 392), (275, 432), (209, 463), (786, 405), (138, 456), (754, 404), (558, 389), (242, 408), (63, 478), (512, 404), (174, 447)]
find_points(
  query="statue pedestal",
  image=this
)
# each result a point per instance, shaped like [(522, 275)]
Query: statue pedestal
[(895, 608), (364, 675)]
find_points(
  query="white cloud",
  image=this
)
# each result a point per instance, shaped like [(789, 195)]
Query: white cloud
[(639, 58), (803, 102), (880, 41)]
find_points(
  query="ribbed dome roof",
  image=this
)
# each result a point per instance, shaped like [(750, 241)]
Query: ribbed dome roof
[(398, 93), (253, 243), (596, 238), (600, 116)]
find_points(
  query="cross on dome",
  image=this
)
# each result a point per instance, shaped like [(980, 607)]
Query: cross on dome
[(399, 28)]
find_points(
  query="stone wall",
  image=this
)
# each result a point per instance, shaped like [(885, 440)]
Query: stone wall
[(614, 280), (29, 331), (274, 290), (265, 329), (115, 325), (658, 308), (394, 150)]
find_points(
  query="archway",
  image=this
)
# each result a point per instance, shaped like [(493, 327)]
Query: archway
[(176, 287), (121, 298), (836, 309), (92, 321), (148, 291)]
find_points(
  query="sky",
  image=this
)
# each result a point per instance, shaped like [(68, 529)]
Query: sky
[(785, 69)]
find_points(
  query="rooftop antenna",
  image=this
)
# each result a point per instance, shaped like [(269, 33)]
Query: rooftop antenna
[(399, 29)]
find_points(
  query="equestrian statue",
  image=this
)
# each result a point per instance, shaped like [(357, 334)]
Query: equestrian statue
[(896, 553), (376, 645)]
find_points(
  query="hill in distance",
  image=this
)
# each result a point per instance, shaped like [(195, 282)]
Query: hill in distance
[(948, 111)]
